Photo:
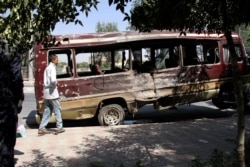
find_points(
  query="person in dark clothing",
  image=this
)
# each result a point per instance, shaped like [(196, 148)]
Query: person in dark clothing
[(11, 97)]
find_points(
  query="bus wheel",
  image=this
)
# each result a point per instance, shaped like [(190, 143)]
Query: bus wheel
[(110, 115)]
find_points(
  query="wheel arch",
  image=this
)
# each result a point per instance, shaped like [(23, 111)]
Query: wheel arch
[(115, 100)]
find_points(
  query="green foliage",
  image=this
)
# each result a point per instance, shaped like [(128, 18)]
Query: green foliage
[(23, 22), (192, 15), (118, 57), (161, 14), (245, 34), (120, 4), (106, 27), (83, 65)]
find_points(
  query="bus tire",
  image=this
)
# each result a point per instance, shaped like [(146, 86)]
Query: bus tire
[(110, 115)]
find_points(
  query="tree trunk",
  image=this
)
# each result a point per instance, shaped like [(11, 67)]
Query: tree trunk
[(238, 91)]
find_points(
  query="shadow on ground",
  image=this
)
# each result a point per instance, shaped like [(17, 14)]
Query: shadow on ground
[(148, 145)]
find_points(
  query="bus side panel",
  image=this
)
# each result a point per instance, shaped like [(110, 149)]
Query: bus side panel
[(187, 84), (40, 64), (113, 83)]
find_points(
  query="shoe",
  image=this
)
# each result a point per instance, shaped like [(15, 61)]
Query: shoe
[(43, 131), (61, 130)]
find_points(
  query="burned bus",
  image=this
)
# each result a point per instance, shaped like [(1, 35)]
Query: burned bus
[(105, 75)]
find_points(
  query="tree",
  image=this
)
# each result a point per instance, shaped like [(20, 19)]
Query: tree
[(20, 20), (199, 16), (106, 27), (245, 34)]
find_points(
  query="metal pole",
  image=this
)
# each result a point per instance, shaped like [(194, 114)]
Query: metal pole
[(30, 66)]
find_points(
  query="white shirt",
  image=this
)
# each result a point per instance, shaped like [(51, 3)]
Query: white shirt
[(50, 83)]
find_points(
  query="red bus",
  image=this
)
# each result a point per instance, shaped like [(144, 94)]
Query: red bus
[(105, 75)]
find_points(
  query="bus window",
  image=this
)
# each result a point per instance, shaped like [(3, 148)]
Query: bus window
[(212, 56), (83, 64), (142, 60), (227, 54), (148, 65), (103, 59), (167, 57), (200, 53), (160, 55), (64, 67), (205, 52), (190, 55), (92, 63), (210, 52), (136, 60), (121, 60), (100, 62), (172, 60)]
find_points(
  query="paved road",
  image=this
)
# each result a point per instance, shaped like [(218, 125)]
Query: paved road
[(164, 144)]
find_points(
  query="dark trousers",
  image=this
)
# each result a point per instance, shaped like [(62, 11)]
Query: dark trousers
[(8, 125)]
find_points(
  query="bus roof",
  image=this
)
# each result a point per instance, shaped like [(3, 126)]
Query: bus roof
[(105, 38)]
